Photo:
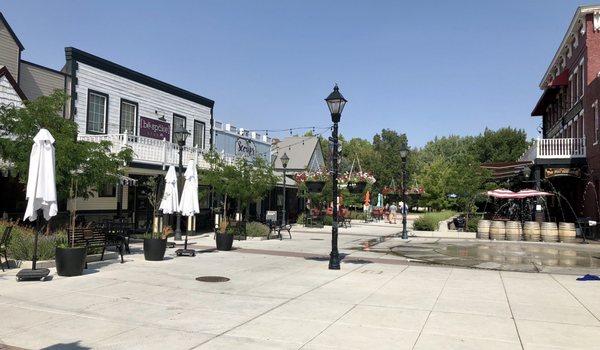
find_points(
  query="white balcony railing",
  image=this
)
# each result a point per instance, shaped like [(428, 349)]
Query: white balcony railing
[(148, 150), (559, 148)]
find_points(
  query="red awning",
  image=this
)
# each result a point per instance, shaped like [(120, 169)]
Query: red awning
[(561, 80), (508, 194), (548, 96)]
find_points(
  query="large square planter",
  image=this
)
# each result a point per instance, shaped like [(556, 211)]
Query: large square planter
[(224, 241), (70, 261), (154, 249)]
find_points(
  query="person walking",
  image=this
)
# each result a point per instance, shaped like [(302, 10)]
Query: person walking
[(392, 215)]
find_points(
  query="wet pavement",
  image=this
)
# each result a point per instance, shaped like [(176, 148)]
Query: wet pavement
[(506, 256)]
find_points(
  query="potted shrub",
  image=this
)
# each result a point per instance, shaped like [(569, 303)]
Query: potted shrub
[(70, 259), (155, 244), (224, 236)]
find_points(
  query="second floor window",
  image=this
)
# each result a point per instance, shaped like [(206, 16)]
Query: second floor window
[(128, 117), (97, 112), (199, 128), (596, 121), (178, 122)]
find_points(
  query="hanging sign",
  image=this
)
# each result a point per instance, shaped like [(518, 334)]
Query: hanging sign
[(155, 129), (554, 172), (245, 148)]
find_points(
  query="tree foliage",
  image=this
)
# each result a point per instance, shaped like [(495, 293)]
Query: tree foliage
[(243, 180), (91, 164)]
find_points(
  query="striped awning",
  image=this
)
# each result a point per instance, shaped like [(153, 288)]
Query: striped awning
[(508, 194)]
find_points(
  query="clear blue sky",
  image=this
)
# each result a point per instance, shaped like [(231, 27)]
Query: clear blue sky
[(425, 68)]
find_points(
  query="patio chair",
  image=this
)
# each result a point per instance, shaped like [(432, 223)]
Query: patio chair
[(4, 240)]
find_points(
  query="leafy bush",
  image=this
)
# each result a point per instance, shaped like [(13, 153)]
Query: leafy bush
[(430, 221), (21, 242), (256, 229), (472, 223), (301, 218), (328, 220)]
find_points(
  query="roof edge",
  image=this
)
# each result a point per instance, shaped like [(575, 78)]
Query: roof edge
[(5, 72), (78, 55), (12, 33)]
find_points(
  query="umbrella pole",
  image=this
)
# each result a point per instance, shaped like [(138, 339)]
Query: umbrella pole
[(35, 239)]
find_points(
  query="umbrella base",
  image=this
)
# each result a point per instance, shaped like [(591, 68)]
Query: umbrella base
[(185, 252), (32, 275)]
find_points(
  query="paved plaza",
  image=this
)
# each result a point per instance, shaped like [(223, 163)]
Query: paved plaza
[(282, 296)]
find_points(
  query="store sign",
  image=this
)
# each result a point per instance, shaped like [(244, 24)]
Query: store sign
[(554, 172), (155, 129), (245, 148)]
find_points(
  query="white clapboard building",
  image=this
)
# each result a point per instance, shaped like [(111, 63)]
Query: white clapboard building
[(113, 103)]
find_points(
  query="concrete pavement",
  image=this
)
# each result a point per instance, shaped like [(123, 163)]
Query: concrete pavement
[(278, 300)]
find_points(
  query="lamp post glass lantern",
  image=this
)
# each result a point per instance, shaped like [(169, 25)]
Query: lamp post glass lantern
[(284, 162), (335, 103), (181, 135), (404, 207)]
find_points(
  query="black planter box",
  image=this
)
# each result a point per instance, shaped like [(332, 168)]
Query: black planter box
[(154, 249), (315, 186), (70, 261), (357, 187), (224, 241)]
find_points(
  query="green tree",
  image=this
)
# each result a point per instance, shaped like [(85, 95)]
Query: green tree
[(503, 145), (388, 163), (243, 180), (90, 164)]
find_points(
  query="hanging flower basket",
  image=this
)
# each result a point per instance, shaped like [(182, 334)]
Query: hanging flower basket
[(357, 187), (315, 186), (314, 180)]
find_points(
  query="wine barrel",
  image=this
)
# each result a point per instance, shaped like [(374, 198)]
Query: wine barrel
[(483, 229), (566, 232), (514, 231), (549, 232), (498, 230), (531, 230)]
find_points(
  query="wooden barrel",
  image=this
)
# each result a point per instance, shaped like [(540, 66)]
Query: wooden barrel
[(514, 231), (483, 229), (531, 230), (566, 232), (549, 232), (498, 230)]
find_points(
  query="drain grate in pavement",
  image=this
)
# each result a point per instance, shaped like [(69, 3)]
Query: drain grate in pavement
[(212, 279)]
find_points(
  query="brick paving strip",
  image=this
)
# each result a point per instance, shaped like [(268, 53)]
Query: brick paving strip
[(310, 256), (8, 347)]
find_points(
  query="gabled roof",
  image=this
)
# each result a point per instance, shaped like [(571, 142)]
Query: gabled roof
[(116, 69), (14, 36), (299, 149), (5, 73)]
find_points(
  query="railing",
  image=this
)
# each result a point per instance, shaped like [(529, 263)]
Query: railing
[(149, 150), (559, 148)]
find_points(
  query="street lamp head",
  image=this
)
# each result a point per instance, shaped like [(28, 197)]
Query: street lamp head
[(403, 153), (527, 172), (181, 134), (285, 160), (336, 102)]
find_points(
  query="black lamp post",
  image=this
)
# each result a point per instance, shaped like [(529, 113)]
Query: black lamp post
[(403, 155), (284, 161), (181, 134), (335, 102)]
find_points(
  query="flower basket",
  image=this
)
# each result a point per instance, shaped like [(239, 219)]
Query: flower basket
[(315, 186), (357, 187)]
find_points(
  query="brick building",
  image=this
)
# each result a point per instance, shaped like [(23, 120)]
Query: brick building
[(566, 157)]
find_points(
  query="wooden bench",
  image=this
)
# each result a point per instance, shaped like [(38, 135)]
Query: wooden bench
[(96, 237)]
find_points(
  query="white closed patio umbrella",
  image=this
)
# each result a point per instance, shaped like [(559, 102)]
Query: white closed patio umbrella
[(40, 193), (170, 200), (189, 205)]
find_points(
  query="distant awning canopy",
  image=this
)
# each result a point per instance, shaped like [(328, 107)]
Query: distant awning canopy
[(550, 93), (561, 80), (508, 194), (504, 170)]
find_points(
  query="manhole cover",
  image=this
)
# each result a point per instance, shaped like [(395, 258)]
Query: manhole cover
[(317, 239), (212, 279)]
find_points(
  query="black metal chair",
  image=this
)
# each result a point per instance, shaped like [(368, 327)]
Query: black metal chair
[(4, 240)]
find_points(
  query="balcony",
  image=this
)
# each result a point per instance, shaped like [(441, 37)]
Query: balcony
[(559, 149), (148, 150)]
